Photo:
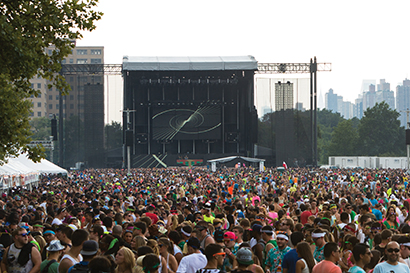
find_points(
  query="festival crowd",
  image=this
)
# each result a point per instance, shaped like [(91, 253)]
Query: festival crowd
[(178, 220)]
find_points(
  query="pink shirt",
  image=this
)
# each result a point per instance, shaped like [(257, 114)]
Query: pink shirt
[(326, 266)]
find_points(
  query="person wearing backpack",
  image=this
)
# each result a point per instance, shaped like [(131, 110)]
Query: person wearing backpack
[(88, 251), (50, 265)]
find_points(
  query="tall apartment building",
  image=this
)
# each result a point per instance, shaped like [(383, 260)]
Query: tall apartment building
[(331, 101), (47, 103), (383, 85), (358, 107), (369, 98), (39, 103), (347, 111), (403, 101), (83, 108), (73, 103)]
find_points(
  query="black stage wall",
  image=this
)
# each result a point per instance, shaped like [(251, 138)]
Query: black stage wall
[(190, 114)]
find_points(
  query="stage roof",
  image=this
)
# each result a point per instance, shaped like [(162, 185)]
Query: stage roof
[(155, 63)]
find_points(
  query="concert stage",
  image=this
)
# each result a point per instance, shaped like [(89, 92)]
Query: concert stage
[(180, 108)]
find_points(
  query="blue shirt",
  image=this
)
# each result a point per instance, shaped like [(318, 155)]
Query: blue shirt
[(378, 214), (289, 261), (374, 202), (356, 269), (387, 268)]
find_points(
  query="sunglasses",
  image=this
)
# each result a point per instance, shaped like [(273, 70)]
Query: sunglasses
[(223, 254), (160, 245), (24, 234), (391, 250)]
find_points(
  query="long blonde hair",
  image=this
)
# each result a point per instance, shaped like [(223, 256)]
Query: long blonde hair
[(154, 245), (129, 258), (174, 225), (139, 241)]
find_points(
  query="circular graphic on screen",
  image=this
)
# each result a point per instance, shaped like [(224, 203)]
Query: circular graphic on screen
[(171, 122)]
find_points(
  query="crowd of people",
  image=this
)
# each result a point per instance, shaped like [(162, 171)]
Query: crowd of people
[(179, 220)]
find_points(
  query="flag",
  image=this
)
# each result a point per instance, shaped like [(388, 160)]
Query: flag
[(284, 165)]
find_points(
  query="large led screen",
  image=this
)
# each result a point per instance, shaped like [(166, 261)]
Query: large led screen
[(186, 122)]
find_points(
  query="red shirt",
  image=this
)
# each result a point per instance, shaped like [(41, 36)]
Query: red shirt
[(304, 217), (153, 217)]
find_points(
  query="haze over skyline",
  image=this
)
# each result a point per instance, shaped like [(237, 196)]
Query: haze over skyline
[(362, 39)]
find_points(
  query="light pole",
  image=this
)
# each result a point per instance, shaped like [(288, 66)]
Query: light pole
[(407, 138), (128, 143)]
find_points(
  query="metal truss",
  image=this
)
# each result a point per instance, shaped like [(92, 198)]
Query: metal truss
[(91, 69), (290, 68)]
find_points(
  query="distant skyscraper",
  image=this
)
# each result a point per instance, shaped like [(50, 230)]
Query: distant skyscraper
[(369, 98), (403, 100), (299, 107), (321, 102), (383, 86), (347, 111), (366, 84), (331, 101), (339, 104), (358, 107), (283, 96)]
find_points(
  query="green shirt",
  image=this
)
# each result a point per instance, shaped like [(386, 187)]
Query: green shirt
[(53, 267), (352, 216)]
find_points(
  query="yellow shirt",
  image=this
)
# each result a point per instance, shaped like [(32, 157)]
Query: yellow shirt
[(209, 219)]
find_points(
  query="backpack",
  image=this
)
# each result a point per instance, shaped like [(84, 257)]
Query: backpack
[(45, 269), (79, 268)]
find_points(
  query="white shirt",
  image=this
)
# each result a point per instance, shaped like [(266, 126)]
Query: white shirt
[(57, 221), (191, 263)]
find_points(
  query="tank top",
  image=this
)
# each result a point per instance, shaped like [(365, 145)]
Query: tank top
[(74, 261), (306, 269), (12, 257), (202, 245)]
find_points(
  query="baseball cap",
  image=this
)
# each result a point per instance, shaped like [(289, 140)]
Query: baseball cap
[(256, 228), (207, 205), (244, 256), (229, 235), (55, 245), (89, 248), (194, 243)]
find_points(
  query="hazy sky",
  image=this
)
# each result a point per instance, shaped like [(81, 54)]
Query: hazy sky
[(362, 39)]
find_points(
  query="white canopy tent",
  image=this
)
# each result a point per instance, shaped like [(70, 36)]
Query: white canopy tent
[(21, 171), (230, 158), (43, 167)]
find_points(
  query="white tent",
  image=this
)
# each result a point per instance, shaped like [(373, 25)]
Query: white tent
[(21, 171), (43, 167), (230, 158)]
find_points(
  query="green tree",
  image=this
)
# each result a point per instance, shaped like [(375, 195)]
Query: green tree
[(327, 121), (41, 128), (113, 135), (380, 132), (27, 28), (344, 139)]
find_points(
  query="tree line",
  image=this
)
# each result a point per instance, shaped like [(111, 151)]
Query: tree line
[(378, 133)]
